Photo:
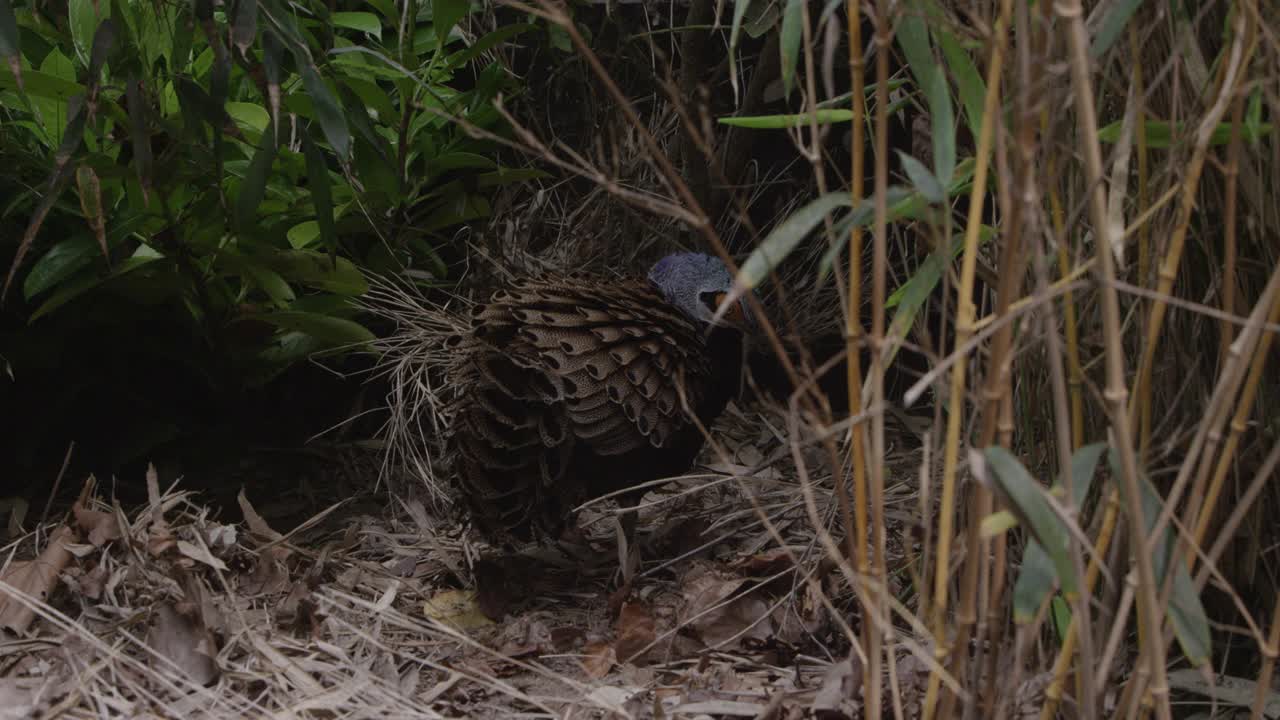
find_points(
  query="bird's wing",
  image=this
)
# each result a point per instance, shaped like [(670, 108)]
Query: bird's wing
[(621, 361)]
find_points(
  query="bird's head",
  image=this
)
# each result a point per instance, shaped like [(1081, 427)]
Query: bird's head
[(697, 284)]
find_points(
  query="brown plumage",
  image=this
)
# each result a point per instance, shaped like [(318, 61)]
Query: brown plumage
[(571, 388)]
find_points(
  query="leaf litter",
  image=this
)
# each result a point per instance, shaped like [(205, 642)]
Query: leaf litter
[(166, 610)]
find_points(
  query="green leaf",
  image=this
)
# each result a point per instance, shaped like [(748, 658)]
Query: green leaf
[(913, 38), (139, 134), (1028, 504), (789, 41), (254, 185), (774, 122), (321, 192), (457, 160), (304, 234), (276, 287), (1061, 616), (89, 281), (362, 21), (60, 262), (922, 179), (506, 176), (1113, 23), (969, 83), (41, 84), (486, 43), (782, 240), (1190, 624), (329, 329), (1037, 578), (318, 270), (331, 116), (249, 116), (83, 16), (445, 14), (1160, 134)]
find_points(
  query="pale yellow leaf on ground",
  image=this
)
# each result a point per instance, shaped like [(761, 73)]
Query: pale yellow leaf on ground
[(456, 608)]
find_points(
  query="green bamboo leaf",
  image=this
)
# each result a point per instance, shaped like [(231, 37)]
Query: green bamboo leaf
[(774, 122), (969, 83), (1161, 134), (254, 185), (1028, 504), (1190, 624), (58, 263), (445, 14), (922, 179), (779, 243), (330, 114), (318, 270), (139, 135), (89, 280), (1113, 23), (486, 43), (329, 329), (84, 17), (321, 192), (913, 38), (364, 22), (789, 41), (1037, 579)]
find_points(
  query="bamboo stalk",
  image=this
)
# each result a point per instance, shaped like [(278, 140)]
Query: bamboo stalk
[(964, 330), (853, 350), (1116, 391)]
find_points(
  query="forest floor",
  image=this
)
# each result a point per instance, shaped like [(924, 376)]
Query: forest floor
[(367, 606)]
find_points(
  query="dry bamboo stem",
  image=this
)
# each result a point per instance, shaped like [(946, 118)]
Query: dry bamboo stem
[(964, 330), (1116, 392)]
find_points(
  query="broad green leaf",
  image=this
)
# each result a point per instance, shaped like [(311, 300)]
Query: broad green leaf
[(1113, 23), (249, 116), (1190, 624), (318, 270), (457, 160), (362, 21), (83, 17), (87, 281), (329, 329), (922, 179), (1026, 501), (41, 84), (789, 41), (774, 122), (1037, 578), (331, 116), (58, 263), (1061, 616), (445, 14), (304, 234), (276, 287)]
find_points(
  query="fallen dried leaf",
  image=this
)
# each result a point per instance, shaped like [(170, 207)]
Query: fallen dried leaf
[(731, 708), (456, 608), (186, 642), (719, 614), (841, 686), (200, 553), (100, 526), (35, 578), (598, 659), (635, 631)]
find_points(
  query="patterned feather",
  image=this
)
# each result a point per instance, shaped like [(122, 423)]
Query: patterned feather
[(572, 388)]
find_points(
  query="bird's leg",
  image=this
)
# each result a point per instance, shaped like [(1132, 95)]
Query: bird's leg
[(628, 545)]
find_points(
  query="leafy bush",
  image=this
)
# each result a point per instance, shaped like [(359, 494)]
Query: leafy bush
[(236, 166)]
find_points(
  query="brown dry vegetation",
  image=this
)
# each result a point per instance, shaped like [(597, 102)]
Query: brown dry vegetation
[(852, 547)]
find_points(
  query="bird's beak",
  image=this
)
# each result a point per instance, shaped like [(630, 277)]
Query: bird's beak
[(737, 314)]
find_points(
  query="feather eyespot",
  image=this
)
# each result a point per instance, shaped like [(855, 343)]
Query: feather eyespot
[(613, 394)]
